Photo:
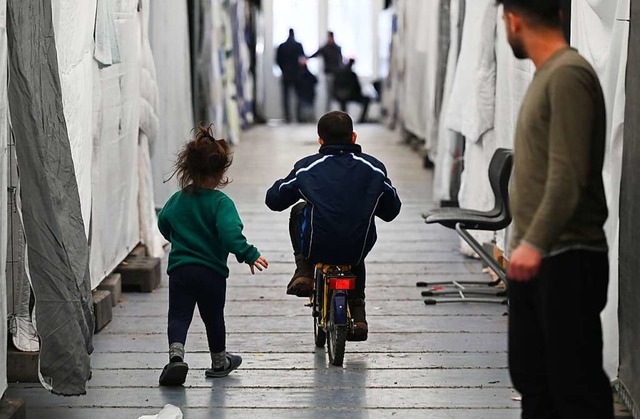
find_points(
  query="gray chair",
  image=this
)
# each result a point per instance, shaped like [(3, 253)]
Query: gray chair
[(463, 220)]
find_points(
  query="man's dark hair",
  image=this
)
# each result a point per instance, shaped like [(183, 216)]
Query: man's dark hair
[(330, 34), (335, 127), (291, 33), (543, 12)]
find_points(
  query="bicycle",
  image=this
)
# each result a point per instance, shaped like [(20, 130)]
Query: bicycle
[(332, 321)]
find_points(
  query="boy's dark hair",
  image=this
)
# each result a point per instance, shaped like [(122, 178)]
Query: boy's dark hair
[(543, 12), (202, 160), (335, 127)]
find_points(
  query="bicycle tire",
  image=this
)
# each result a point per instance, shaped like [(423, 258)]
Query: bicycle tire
[(336, 339), (319, 335)]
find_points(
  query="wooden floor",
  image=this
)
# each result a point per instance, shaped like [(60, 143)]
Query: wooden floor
[(446, 361)]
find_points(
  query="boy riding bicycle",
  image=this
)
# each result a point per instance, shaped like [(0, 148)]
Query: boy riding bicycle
[(341, 189)]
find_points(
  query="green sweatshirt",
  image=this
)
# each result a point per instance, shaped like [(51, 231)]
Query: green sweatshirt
[(203, 228), (557, 193)]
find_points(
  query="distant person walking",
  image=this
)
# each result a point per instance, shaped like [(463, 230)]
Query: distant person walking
[(347, 88), (287, 58), (559, 269), (331, 54)]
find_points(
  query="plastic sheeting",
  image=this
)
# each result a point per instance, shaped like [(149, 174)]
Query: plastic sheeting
[(471, 109), (116, 116), (629, 226), (448, 139), (149, 125), (4, 204), (169, 26), (200, 34), (51, 209), (73, 24), (421, 32), (600, 31)]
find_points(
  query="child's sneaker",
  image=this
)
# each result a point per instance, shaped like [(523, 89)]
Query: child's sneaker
[(359, 316), (234, 363), (174, 373), (301, 285)]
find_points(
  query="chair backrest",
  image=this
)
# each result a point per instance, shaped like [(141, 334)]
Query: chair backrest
[(500, 169)]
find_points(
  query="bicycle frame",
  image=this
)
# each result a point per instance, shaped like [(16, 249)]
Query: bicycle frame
[(332, 316)]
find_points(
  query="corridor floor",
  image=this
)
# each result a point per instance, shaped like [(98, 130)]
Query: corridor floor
[(444, 361)]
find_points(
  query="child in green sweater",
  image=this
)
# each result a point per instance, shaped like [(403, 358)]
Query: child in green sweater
[(203, 226)]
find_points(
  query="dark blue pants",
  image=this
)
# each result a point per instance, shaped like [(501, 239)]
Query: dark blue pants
[(555, 338), (194, 284), (296, 232)]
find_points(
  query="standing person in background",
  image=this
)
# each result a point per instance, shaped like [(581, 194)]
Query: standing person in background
[(559, 265), (287, 56), (331, 54)]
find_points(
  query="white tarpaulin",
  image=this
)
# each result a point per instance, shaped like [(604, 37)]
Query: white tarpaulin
[(116, 117), (149, 125), (421, 34), (600, 31), (73, 23), (169, 26), (447, 137), (4, 168), (471, 109)]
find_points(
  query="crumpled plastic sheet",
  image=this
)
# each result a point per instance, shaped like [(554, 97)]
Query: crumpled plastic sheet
[(57, 250)]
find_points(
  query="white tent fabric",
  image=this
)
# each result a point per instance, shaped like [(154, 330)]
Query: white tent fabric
[(600, 31), (115, 222), (4, 167), (447, 137), (149, 125), (471, 109), (169, 25), (421, 30), (73, 23)]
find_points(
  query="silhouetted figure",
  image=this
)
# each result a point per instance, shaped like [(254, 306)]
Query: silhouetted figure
[(347, 89), (306, 91), (331, 54), (287, 56)]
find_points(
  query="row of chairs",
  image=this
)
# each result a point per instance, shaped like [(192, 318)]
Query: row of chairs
[(463, 220)]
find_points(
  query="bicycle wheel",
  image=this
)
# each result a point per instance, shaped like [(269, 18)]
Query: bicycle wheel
[(319, 334), (336, 338)]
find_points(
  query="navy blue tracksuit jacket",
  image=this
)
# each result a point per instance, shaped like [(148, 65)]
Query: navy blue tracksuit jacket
[(344, 189)]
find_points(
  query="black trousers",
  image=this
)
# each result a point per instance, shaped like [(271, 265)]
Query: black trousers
[(296, 231), (288, 88), (195, 284), (555, 338), (364, 103)]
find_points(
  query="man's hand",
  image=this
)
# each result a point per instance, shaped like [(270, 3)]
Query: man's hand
[(260, 264), (524, 263)]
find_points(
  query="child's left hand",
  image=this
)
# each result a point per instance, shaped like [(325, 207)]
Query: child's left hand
[(260, 264)]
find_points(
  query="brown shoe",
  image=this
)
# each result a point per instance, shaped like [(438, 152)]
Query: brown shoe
[(301, 285), (359, 316)]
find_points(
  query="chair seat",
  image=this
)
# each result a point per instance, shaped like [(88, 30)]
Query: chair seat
[(469, 219), (495, 212)]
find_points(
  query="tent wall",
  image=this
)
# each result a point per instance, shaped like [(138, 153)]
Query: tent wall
[(629, 305), (116, 120), (169, 25), (4, 201), (57, 250), (600, 31)]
